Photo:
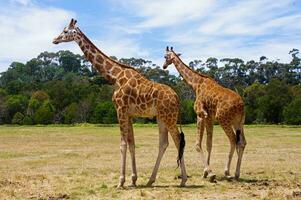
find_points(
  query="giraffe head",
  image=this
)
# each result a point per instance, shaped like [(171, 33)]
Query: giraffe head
[(69, 33), (170, 56)]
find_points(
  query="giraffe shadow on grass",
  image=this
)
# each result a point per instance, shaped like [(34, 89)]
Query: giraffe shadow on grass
[(245, 180), (170, 186)]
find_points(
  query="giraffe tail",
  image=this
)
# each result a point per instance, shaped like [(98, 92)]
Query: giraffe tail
[(181, 148), (240, 138)]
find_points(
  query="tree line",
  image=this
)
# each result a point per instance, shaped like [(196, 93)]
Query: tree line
[(64, 88)]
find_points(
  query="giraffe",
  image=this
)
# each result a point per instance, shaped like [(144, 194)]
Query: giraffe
[(134, 96), (213, 102)]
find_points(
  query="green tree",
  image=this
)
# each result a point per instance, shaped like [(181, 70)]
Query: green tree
[(45, 114), (71, 114), (60, 93), (187, 112), (27, 121), (211, 64), (252, 94), (16, 103), (36, 101), (292, 112), (70, 62), (3, 106), (105, 113), (276, 98)]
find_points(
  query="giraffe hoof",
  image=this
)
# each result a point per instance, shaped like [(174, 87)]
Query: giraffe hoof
[(120, 186), (133, 185), (236, 177), (205, 174), (227, 173), (183, 184), (229, 178), (197, 147), (150, 183), (212, 178)]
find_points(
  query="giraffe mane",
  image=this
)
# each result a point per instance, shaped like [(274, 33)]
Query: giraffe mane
[(196, 72), (94, 46)]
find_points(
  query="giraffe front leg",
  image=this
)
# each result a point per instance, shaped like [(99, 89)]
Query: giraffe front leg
[(123, 148), (201, 128), (209, 130), (131, 142), (201, 115), (124, 127)]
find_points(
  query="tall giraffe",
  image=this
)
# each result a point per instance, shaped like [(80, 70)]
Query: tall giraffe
[(213, 102), (134, 96)]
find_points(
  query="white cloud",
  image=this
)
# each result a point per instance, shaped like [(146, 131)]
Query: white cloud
[(121, 47), (200, 29), (247, 18), (27, 30), (23, 2), (245, 29), (197, 28), (158, 13)]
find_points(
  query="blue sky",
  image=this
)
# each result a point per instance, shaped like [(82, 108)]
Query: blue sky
[(198, 29)]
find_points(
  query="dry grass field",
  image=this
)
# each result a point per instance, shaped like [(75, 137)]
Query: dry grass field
[(82, 162)]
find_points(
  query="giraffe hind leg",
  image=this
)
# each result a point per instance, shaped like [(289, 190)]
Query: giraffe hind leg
[(177, 140), (240, 146), (163, 144), (232, 138)]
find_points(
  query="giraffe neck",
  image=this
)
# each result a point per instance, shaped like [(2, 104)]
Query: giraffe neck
[(101, 62), (191, 77)]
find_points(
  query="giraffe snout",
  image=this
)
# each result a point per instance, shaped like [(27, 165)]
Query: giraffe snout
[(55, 41)]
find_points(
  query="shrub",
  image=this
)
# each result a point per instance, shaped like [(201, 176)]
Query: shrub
[(187, 112), (16, 103), (3, 106), (33, 105), (70, 114), (18, 118), (40, 96), (104, 113), (292, 112), (45, 114), (27, 121)]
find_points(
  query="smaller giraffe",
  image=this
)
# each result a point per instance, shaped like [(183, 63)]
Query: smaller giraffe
[(213, 102), (134, 96)]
